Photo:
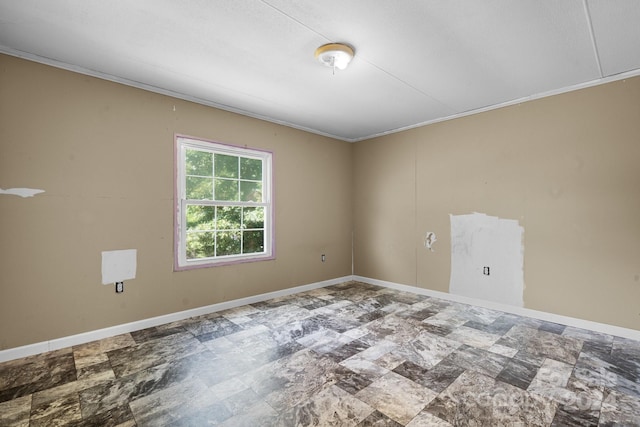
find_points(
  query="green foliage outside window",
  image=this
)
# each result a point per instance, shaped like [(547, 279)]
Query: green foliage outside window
[(220, 230)]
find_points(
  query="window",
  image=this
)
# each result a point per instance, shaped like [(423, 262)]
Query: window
[(223, 204)]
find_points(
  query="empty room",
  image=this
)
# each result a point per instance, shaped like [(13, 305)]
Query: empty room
[(336, 213)]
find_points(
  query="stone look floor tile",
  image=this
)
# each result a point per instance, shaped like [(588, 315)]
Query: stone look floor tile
[(479, 360), (397, 397), (260, 414), (16, 412), (518, 373), (364, 367), (378, 419), (551, 381), (330, 407), (503, 350), (474, 337), (163, 408), (351, 354), (426, 419), (620, 409), (35, 373), (151, 353), (437, 378), (427, 349), (56, 412), (95, 352), (473, 396)]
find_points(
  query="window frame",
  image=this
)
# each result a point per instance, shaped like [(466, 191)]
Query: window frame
[(182, 142)]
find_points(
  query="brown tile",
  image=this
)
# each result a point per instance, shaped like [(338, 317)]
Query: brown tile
[(16, 412)]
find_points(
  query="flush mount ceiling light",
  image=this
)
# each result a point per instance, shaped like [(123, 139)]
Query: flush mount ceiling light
[(335, 55)]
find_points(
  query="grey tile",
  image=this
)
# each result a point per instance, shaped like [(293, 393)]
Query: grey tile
[(261, 414), (479, 360), (212, 414), (518, 373), (216, 328), (437, 378), (162, 407), (350, 381), (332, 406), (554, 328), (128, 360), (571, 417), (442, 331), (474, 399), (397, 397), (427, 349), (619, 409), (378, 419), (349, 349), (427, 419), (349, 354), (474, 337)]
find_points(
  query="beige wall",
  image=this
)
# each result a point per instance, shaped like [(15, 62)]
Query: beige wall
[(566, 167), (103, 153)]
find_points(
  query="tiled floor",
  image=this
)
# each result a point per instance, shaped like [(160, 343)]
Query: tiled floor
[(346, 355)]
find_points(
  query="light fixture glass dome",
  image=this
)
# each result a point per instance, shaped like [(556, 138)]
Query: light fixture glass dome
[(335, 55)]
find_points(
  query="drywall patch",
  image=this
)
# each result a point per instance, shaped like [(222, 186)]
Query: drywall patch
[(487, 258), (118, 266), (22, 192), (429, 240)]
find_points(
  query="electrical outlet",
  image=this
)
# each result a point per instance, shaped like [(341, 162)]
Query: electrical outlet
[(485, 271), (119, 287)]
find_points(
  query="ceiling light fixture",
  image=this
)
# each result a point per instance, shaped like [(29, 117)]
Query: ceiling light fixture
[(335, 55)]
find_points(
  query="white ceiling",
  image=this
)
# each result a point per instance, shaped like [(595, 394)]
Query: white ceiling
[(417, 61)]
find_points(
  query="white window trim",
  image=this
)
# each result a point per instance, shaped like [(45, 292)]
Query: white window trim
[(180, 261)]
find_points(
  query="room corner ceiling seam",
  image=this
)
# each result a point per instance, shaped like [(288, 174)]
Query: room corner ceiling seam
[(594, 43)]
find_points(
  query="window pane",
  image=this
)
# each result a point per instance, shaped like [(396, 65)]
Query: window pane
[(227, 190), (199, 163), (228, 243), (250, 191), (200, 245), (250, 169), (226, 166), (252, 241), (200, 217), (223, 208), (199, 188), (228, 218), (253, 218)]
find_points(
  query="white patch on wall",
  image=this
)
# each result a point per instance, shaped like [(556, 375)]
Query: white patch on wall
[(429, 240), (487, 258), (22, 192), (118, 266)]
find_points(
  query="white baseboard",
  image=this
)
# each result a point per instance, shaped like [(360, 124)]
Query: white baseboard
[(541, 315), (59, 343)]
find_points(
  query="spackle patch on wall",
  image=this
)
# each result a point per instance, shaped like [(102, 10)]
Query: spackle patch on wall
[(118, 266), (22, 192), (429, 240), (487, 258)]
